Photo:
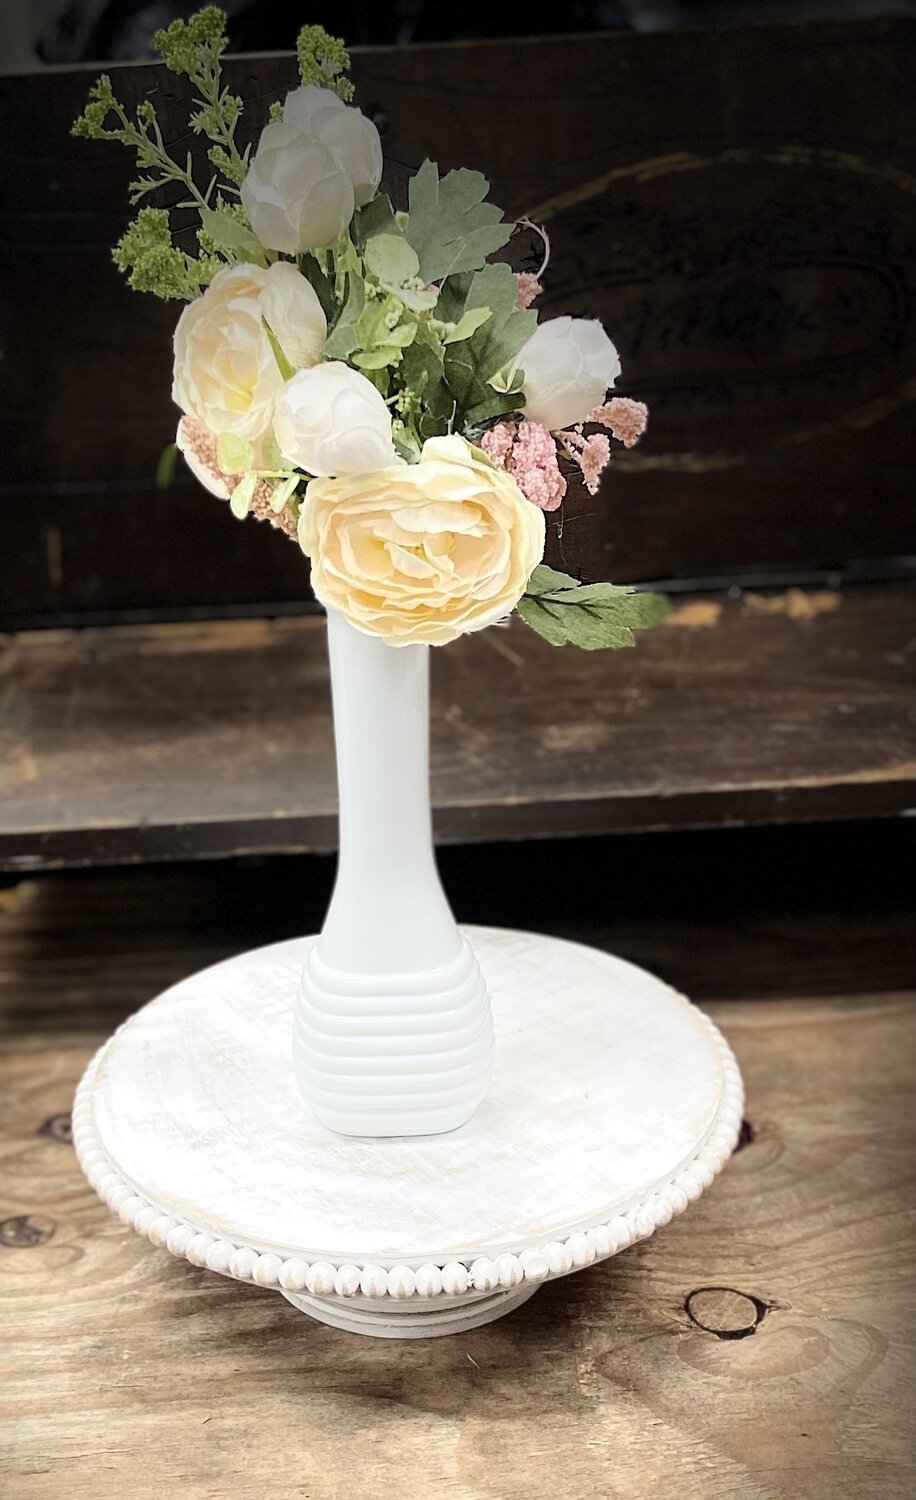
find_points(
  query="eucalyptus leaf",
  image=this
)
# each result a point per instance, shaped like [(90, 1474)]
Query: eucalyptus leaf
[(371, 326), (234, 454), (240, 499), (378, 359), (402, 334), (414, 298), (468, 323), (449, 225), (284, 490), (391, 259), (271, 457)]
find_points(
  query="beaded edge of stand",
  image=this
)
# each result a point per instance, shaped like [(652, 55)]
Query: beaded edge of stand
[(453, 1279)]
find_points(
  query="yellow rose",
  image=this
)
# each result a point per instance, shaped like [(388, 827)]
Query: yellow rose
[(425, 552)]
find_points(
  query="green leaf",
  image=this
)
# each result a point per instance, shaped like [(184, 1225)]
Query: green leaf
[(422, 372), (449, 225), (377, 359), (241, 496), (468, 323), (165, 468), (391, 259), (494, 406), (324, 287), (416, 300), (270, 455), (380, 379), (401, 335), (546, 580), (283, 364), (234, 455), (284, 490), (371, 326), (341, 342), (594, 616), (228, 234), (376, 217), (493, 346)]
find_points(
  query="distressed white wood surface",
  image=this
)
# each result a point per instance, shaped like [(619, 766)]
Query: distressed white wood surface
[(606, 1083)]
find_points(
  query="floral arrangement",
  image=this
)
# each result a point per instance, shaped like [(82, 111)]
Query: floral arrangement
[(369, 381)]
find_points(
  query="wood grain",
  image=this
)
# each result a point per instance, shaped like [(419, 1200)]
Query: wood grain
[(128, 1373), (754, 265), (183, 740)]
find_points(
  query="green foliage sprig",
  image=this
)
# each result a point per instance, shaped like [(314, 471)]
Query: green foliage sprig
[(147, 253), (324, 60), (595, 616)]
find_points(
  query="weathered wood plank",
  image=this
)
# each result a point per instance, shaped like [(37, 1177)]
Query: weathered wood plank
[(789, 1380), (807, 910), (185, 740), (754, 265)]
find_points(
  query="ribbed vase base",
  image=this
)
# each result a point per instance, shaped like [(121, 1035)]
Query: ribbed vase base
[(393, 1054), (387, 1319)]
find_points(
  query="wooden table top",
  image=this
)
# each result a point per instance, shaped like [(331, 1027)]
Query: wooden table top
[(759, 1347)]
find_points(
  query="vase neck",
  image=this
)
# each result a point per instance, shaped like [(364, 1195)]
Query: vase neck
[(388, 909)]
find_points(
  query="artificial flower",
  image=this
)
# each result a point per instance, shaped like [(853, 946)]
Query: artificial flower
[(624, 419), (568, 365), (310, 171), (425, 552), (226, 373), (332, 420), (290, 306), (197, 446), (528, 452), (351, 138)]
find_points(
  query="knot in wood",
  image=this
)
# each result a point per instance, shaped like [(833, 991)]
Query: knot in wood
[(58, 1127), (724, 1312), (25, 1231)]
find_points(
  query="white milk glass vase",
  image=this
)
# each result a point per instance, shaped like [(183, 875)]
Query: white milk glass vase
[(393, 1033)]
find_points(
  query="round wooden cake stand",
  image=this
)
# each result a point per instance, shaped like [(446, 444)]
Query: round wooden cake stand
[(613, 1104)]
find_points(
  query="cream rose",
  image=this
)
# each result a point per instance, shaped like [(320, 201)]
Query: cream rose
[(290, 304), (424, 552), (332, 420), (569, 365), (226, 373), (310, 171)]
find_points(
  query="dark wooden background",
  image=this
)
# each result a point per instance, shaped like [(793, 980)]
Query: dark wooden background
[(739, 208)]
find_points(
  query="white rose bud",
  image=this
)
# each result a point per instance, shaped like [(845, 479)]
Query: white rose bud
[(331, 420), (569, 365), (310, 172), (345, 130)]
